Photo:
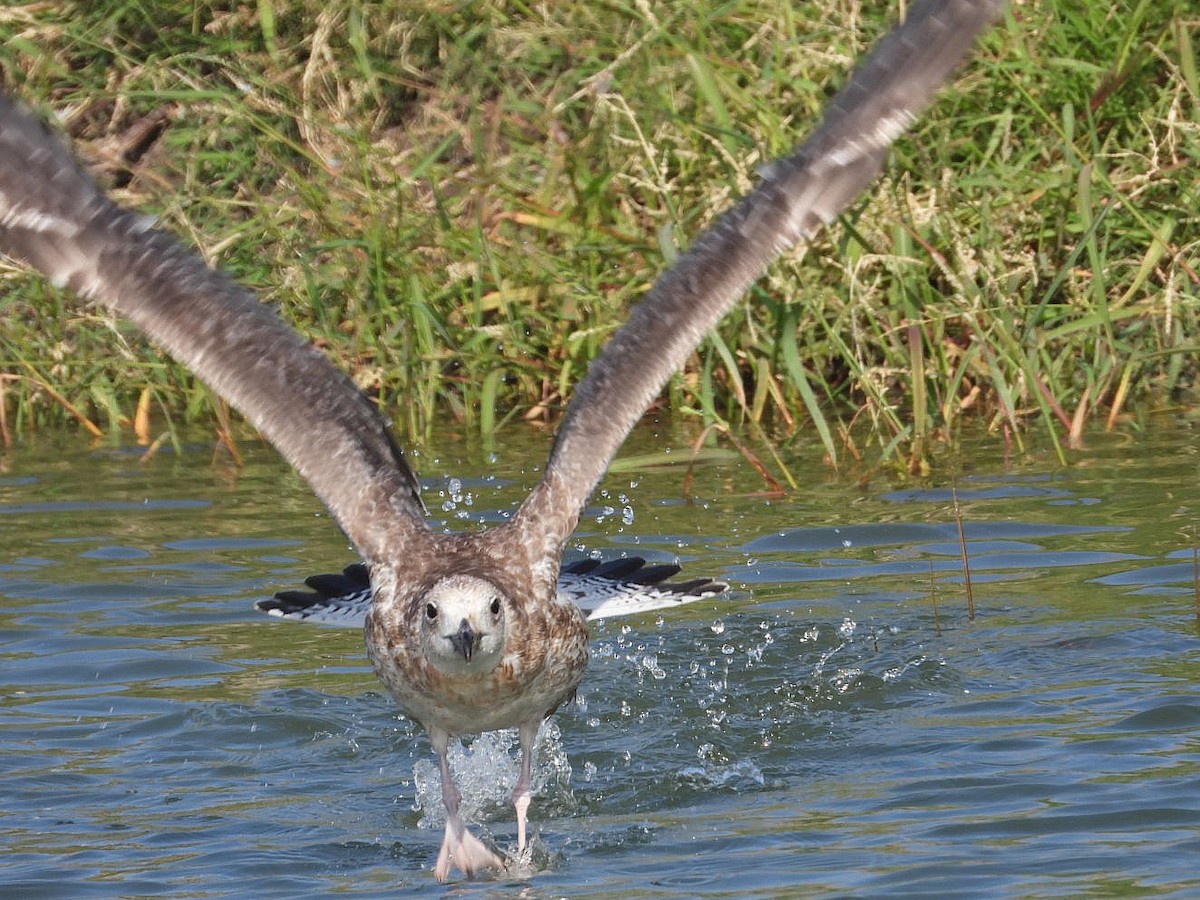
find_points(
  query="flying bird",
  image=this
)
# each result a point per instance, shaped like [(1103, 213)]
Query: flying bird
[(469, 632)]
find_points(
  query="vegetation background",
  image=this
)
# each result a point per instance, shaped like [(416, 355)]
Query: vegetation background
[(459, 201)]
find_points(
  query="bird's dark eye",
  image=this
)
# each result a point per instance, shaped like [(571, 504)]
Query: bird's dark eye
[(496, 607), (430, 611)]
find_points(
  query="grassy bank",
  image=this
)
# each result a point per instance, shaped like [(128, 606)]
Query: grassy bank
[(461, 200)]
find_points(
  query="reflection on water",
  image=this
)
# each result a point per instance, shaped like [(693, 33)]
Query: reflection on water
[(834, 724)]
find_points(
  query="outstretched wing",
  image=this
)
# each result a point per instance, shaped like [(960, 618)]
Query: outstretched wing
[(798, 194), (627, 587), (53, 216), (619, 587), (341, 600)]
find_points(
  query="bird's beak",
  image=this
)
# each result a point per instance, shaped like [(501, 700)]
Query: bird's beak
[(465, 640)]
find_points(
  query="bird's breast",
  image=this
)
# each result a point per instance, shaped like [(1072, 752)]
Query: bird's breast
[(540, 669)]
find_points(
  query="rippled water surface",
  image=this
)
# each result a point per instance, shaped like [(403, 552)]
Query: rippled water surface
[(836, 725)]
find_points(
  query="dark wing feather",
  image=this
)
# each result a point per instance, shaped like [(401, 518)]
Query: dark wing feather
[(798, 195), (53, 216), (618, 587)]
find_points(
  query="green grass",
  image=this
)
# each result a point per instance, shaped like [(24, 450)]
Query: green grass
[(460, 201)]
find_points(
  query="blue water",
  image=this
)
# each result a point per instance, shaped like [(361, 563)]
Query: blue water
[(834, 726)]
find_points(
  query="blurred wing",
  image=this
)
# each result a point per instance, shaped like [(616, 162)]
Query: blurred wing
[(798, 194), (53, 216)]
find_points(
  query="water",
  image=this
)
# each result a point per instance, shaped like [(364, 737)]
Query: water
[(834, 726)]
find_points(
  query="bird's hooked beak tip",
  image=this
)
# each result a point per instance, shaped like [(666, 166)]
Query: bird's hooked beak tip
[(465, 640)]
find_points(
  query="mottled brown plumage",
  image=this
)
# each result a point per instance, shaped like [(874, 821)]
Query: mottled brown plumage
[(544, 654), (466, 631)]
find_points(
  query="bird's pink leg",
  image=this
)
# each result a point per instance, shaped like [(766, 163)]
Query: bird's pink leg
[(523, 791), (459, 847)]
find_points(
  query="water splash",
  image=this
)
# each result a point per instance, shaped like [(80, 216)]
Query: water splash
[(486, 772)]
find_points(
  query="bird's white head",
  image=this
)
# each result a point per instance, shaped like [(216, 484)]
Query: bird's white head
[(463, 624)]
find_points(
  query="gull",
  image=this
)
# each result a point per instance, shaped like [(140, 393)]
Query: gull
[(468, 631)]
